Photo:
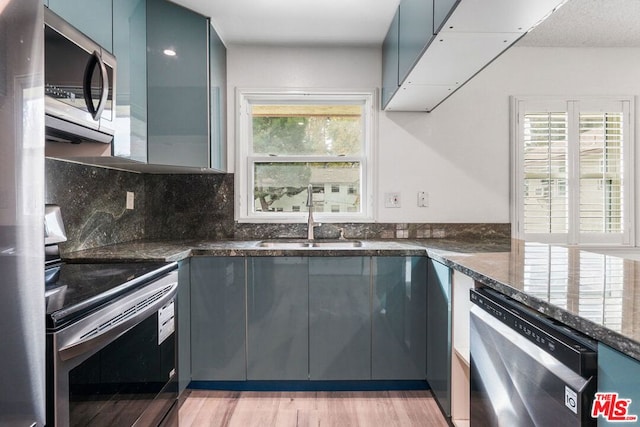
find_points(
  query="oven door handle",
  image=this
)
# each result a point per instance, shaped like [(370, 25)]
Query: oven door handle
[(109, 326)]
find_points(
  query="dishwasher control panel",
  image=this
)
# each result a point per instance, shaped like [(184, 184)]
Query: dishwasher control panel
[(568, 346)]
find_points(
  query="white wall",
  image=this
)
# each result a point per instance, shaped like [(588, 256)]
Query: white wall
[(459, 153)]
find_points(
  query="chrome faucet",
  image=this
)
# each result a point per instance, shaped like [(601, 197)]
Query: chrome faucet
[(310, 223)]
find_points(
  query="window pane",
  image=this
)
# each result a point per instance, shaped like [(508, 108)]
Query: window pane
[(321, 130), (601, 173), (282, 186), (545, 173)]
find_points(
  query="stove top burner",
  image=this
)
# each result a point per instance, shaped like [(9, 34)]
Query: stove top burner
[(74, 290)]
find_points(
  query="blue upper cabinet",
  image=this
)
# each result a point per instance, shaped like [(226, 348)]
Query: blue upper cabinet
[(218, 100), (171, 81), (390, 81), (444, 43), (415, 33), (177, 85), (130, 45), (441, 11), (92, 17)]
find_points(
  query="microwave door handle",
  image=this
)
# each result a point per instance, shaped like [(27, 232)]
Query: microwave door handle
[(96, 59)]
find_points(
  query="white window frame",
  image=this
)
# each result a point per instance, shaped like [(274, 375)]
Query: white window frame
[(244, 161), (573, 105)]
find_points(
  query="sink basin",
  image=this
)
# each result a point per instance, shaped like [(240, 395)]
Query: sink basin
[(285, 244), (337, 244), (307, 244)]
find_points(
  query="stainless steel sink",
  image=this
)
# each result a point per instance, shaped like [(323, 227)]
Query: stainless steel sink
[(337, 244), (307, 244), (284, 244)]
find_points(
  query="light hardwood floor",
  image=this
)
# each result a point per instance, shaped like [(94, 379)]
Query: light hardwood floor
[(318, 409)]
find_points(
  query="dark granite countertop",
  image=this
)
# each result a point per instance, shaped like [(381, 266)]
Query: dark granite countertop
[(177, 251), (596, 294)]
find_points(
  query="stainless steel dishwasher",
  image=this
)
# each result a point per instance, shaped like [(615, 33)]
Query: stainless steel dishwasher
[(527, 369)]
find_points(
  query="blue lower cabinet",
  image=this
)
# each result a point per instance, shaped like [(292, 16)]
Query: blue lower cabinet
[(184, 324), (218, 333), (399, 311), (277, 318), (619, 374), (439, 333), (339, 318), (278, 322)]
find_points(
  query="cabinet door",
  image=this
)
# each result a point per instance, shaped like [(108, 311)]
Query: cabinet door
[(618, 373), (184, 324), (177, 85), (399, 318), (130, 47), (218, 100), (339, 318), (441, 11), (92, 17), (439, 333), (218, 318), (390, 62), (277, 314), (416, 31)]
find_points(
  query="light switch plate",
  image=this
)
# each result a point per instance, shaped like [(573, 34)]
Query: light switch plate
[(423, 199), (391, 200)]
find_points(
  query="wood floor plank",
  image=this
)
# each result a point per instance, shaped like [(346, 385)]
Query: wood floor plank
[(191, 407), (216, 410), (256, 409), (310, 409)]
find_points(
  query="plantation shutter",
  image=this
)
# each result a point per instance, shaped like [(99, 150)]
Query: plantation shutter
[(545, 173), (601, 173), (573, 163)]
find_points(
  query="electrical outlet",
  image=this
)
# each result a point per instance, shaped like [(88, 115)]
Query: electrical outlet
[(391, 200), (130, 199), (423, 199)]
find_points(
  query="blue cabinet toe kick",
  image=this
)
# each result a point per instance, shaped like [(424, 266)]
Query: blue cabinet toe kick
[(302, 385)]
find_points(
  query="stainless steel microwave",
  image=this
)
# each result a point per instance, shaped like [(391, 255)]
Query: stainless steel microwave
[(80, 90)]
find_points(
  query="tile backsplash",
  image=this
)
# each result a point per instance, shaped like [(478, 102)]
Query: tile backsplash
[(195, 206)]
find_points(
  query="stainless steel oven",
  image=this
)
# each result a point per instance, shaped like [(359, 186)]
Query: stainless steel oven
[(79, 85), (112, 355)]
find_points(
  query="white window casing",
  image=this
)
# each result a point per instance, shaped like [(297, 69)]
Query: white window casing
[(246, 159)]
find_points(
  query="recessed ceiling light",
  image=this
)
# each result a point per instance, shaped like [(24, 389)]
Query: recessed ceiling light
[(169, 52)]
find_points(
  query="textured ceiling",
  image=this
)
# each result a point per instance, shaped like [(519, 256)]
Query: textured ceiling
[(589, 23)]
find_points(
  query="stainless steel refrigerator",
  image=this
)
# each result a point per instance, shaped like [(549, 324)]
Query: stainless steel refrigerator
[(22, 311)]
